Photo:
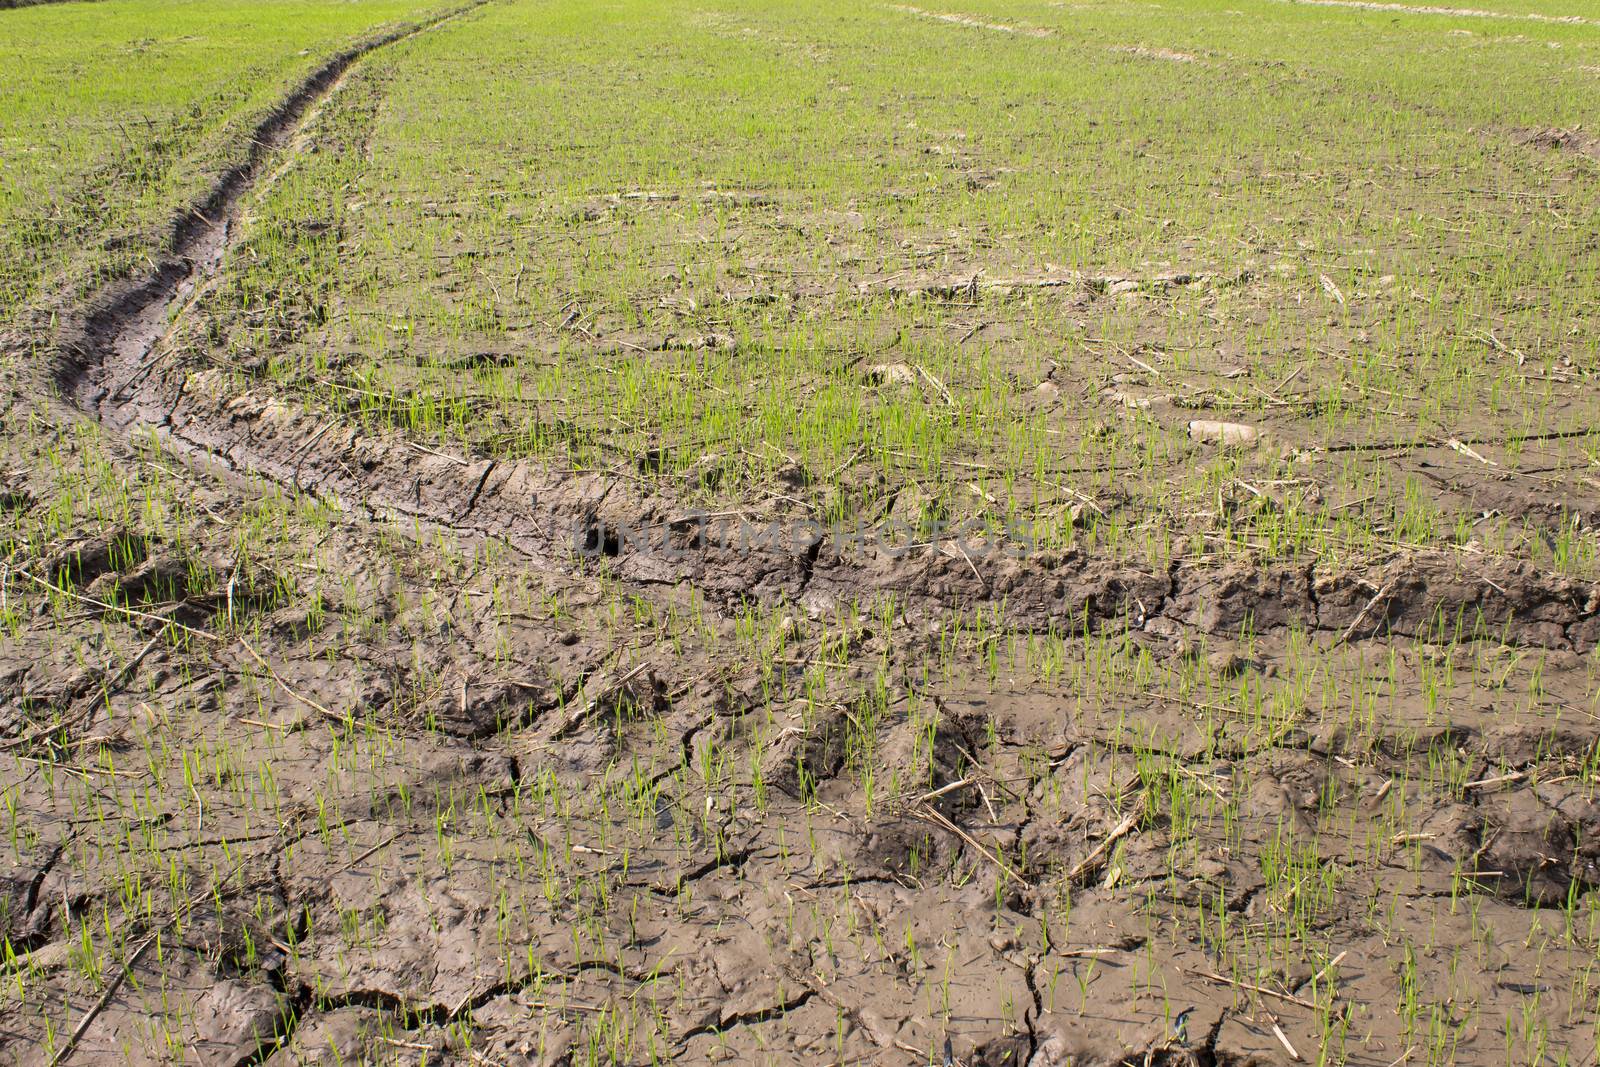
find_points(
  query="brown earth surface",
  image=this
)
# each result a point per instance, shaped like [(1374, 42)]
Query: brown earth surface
[(433, 766)]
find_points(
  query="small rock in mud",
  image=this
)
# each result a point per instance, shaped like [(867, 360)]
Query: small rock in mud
[(793, 475), (1232, 434), (475, 708), (14, 494), (1002, 1051), (1529, 850), (1227, 663), (1329, 739), (165, 576), (233, 1020), (890, 374), (798, 761), (85, 559)]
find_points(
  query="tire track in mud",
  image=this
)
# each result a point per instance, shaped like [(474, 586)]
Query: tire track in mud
[(124, 323), (111, 363), (560, 518)]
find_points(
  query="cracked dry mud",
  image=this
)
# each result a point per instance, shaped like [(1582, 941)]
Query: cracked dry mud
[(333, 751)]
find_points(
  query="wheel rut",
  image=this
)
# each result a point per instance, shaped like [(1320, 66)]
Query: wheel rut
[(108, 351)]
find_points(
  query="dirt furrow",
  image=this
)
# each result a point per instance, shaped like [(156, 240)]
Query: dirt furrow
[(111, 340), (566, 519)]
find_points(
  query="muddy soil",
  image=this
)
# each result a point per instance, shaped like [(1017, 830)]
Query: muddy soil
[(321, 745)]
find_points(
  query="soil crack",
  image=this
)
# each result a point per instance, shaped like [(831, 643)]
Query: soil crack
[(725, 1023)]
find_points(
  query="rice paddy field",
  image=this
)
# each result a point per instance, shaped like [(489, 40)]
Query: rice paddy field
[(562, 532)]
